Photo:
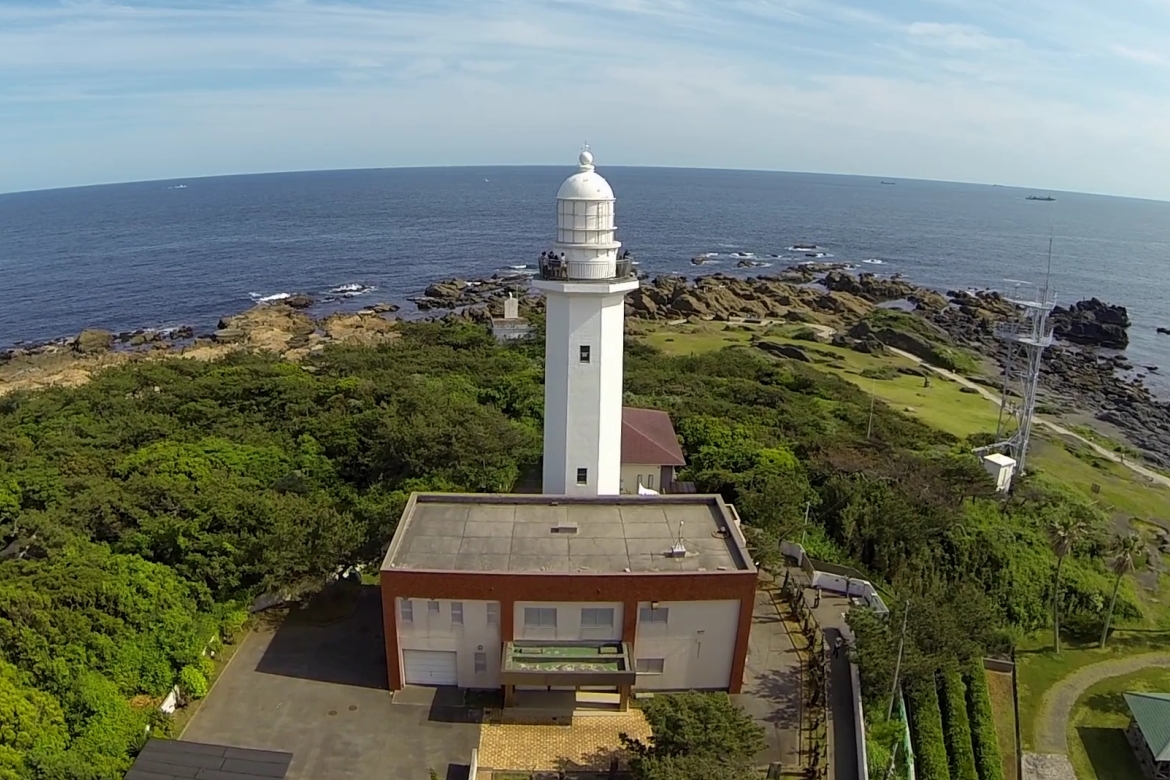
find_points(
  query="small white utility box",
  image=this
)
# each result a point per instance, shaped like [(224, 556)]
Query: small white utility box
[(1001, 468)]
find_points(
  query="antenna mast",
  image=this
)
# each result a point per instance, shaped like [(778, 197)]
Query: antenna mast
[(1025, 337)]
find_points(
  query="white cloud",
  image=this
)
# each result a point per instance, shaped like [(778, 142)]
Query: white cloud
[(962, 37), (795, 84), (1144, 56)]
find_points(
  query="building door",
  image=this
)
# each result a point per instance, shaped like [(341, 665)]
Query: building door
[(429, 667)]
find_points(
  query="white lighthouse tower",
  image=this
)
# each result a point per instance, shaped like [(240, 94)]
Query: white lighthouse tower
[(585, 285)]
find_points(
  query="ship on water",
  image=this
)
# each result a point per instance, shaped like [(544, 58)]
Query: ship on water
[(1040, 197)]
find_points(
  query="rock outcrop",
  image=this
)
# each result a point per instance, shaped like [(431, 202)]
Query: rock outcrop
[(721, 297), (1092, 323), (93, 341)]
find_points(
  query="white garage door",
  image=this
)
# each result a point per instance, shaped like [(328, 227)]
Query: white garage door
[(429, 667)]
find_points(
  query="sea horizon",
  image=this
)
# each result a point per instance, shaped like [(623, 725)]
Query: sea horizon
[(422, 167)]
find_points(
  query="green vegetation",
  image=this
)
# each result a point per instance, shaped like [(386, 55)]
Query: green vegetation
[(1096, 732), (984, 736), (915, 335), (143, 511), (926, 731), (956, 726), (695, 735)]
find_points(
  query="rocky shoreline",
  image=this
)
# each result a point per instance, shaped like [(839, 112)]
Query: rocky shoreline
[(1082, 373)]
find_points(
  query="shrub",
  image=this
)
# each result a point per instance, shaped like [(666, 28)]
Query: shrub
[(205, 665), (192, 682), (232, 624), (983, 735), (956, 727), (880, 372), (926, 734)]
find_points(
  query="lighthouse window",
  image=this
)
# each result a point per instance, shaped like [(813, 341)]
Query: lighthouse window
[(582, 476), (584, 353)]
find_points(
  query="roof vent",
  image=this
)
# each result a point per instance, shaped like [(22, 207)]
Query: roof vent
[(677, 550), (564, 528)]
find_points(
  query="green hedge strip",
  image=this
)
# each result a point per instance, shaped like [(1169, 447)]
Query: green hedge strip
[(984, 740), (956, 727), (926, 733)]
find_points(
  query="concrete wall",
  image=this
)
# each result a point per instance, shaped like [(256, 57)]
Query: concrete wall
[(628, 589), (583, 401), (650, 476), (697, 645), (859, 722), (568, 627), (835, 582), (436, 631)]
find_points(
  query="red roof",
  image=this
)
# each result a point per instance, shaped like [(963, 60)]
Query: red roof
[(648, 438)]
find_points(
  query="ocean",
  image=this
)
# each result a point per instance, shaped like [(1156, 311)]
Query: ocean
[(186, 252)]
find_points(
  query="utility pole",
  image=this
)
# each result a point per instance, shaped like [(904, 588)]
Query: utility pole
[(872, 394), (898, 665), (803, 528)]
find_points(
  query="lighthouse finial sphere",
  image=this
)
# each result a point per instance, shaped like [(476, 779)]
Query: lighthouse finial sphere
[(586, 159)]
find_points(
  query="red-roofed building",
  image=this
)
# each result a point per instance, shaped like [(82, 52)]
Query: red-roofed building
[(650, 450)]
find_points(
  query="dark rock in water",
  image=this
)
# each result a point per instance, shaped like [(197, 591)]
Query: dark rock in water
[(299, 301), (1164, 331), (182, 332), (784, 350), (1092, 323), (93, 340)]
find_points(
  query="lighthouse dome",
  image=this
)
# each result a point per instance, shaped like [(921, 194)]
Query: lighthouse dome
[(586, 183)]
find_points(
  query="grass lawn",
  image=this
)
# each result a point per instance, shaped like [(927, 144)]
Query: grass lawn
[(1096, 738), (999, 686), (1121, 490), (694, 338)]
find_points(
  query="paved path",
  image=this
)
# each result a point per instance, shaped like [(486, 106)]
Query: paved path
[(843, 756), (771, 684), (1056, 706)]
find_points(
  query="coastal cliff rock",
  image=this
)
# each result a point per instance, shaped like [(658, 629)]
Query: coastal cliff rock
[(721, 297), (93, 340), (1092, 323), (366, 327), (868, 286)]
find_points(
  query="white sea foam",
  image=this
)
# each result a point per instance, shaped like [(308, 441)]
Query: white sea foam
[(874, 261), (350, 288), (269, 298)]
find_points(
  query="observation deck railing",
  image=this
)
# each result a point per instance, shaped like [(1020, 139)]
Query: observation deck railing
[(558, 271)]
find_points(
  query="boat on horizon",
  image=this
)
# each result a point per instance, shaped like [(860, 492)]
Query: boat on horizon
[(889, 182), (1040, 197)]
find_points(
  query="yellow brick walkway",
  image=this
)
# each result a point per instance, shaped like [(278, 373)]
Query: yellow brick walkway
[(588, 744)]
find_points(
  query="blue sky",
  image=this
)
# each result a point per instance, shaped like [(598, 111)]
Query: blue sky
[(1062, 94)]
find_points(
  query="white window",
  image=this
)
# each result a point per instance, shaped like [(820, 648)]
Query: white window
[(407, 611), (493, 613), (433, 607), (540, 617), (653, 614), (649, 480), (480, 663), (650, 665), (456, 613), (597, 617)]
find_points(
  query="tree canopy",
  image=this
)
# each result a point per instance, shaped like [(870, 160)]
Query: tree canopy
[(139, 511)]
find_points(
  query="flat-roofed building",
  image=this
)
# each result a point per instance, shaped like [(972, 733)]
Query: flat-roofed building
[(540, 591)]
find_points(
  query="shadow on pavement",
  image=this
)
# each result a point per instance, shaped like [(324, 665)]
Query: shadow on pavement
[(336, 637)]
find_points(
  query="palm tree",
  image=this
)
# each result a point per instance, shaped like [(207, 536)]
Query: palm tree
[(1063, 533), (1125, 553)]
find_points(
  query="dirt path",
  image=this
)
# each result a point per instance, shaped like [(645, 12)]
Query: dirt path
[(1051, 425), (1056, 706)]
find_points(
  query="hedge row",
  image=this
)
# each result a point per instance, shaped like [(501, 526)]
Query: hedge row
[(956, 727), (926, 734), (983, 733)]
